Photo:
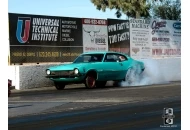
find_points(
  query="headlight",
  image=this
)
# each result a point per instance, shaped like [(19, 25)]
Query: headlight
[(76, 71), (48, 72)]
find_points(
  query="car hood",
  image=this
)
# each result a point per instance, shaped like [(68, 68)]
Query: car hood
[(67, 66)]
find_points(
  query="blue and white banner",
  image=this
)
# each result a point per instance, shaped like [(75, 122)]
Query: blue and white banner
[(165, 38)]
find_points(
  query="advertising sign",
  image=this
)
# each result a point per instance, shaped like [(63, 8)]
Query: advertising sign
[(140, 37), (39, 38), (165, 38), (95, 37), (118, 35)]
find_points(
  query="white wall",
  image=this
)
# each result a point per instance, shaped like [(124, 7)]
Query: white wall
[(29, 76), (33, 76)]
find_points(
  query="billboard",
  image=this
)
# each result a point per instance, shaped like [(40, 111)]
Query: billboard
[(95, 37), (165, 38), (39, 38), (140, 38), (155, 38), (118, 35)]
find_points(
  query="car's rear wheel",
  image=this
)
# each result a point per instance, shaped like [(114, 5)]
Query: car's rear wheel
[(101, 84), (116, 83), (130, 75), (90, 81), (59, 86)]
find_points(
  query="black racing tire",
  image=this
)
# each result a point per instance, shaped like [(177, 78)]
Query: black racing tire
[(90, 81), (116, 83), (130, 75), (101, 84), (59, 86)]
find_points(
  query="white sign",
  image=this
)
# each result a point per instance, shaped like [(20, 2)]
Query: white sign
[(95, 35), (165, 38), (140, 46)]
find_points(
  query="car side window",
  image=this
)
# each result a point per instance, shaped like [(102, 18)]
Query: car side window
[(86, 58), (122, 58), (111, 58)]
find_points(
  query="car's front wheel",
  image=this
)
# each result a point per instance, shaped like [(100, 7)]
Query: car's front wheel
[(90, 81), (59, 86)]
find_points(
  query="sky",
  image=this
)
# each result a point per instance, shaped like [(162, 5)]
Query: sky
[(64, 8)]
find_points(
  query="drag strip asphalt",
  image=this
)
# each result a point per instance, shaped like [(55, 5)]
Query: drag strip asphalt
[(139, 107), (132, 116)]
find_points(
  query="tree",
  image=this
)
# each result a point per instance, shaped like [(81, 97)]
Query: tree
[(131, 8), (168, 9)]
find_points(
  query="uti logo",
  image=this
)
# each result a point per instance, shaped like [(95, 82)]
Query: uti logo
[(23, 29)]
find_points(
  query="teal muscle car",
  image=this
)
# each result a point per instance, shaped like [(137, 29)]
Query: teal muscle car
[(94, 69)]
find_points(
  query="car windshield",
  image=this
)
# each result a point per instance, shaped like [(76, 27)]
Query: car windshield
[(85, 58)]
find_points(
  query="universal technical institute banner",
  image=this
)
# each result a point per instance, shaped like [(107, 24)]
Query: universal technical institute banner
[(39, 38)]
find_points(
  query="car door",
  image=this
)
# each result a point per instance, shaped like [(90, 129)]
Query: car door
[(112, 67), (123, 60)]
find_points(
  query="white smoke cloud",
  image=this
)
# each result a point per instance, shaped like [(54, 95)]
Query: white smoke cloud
[(157, 71), (153, 74)]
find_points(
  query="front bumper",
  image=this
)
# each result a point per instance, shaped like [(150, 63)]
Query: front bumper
[(66, 78)]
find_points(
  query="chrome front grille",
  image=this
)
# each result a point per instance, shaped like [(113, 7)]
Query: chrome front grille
[(62, 73)]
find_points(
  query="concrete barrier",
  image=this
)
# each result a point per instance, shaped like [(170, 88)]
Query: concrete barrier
[(30, 76), (33, 76)]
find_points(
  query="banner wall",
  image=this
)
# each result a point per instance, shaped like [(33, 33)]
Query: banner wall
[(155, 38), (40, 38)]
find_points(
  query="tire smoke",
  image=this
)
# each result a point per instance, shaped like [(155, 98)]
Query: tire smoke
[(151, 75)]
